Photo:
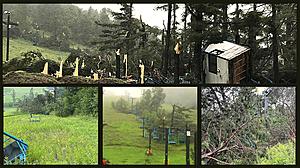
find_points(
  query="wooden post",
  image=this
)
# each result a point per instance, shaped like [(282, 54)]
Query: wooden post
[(187, 155), (118, 64), (82, 65), (45, 71), (178, 50), (7, 35), (125, 65), (142, 70), (96, 76), (75, 73)]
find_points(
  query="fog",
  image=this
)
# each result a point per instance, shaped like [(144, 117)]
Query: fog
[(186, 96)]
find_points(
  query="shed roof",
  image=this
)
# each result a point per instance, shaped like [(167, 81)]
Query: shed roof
[(227, 50)]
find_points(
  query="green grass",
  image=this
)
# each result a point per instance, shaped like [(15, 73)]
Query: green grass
[(56, 140), (124, 144), (17, 46)]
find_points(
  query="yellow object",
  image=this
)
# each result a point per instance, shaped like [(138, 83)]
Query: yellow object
[(83, 65), (59, 73), (76, 67), (96, 76), (45, 71), (142, 73)]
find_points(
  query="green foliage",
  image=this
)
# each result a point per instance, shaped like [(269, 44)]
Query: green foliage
[(282, 154), (240, 111), (65, 101), (121, 105), (75, 101)]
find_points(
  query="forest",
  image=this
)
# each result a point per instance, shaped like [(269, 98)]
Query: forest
[(268, 30), (151, 126), (50, 125), (248, 126)]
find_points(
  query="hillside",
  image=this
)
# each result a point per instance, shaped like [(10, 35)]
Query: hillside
[(124, 144), (17, 46)]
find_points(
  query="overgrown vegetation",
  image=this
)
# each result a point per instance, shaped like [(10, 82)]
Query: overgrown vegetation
[(242, 125), (67, 129), (62, 102)]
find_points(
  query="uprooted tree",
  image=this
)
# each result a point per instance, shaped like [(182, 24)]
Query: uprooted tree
[(237, 129)]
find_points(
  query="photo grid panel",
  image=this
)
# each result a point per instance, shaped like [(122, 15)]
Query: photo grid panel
[(136, 43), (248, 125), (50, 125), (149, 76), (149, 125)]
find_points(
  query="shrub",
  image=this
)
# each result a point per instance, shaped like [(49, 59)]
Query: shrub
[(280, 154)]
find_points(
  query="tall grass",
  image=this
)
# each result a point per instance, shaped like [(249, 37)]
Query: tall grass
[(56, 140)]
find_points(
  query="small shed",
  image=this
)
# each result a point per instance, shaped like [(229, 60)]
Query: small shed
[(226, 62)]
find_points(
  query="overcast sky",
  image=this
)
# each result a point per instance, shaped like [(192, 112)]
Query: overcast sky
[(150, 16)]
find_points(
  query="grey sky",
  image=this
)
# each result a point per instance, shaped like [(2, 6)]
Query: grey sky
[(150, 16)]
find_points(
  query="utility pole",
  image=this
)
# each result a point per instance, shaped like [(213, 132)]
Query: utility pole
[(8, 26), (163, 128), (166, 145), (143, 127), (7, 34), (187, 155), (150, 137), (195, 148), (132, 104)]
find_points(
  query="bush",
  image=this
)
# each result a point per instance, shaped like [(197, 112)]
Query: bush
[(121, 105), (283, 154)]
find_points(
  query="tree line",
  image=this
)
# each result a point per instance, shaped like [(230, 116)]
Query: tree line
[(60, 101), (152, 108), (56, 26)]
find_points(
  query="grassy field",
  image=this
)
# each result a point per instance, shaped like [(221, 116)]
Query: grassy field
[(124, 144), (56, 140), (17, 46)]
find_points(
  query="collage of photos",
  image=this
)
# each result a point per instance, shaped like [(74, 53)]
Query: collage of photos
[(149, 84)]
